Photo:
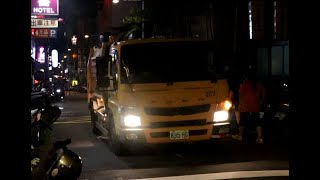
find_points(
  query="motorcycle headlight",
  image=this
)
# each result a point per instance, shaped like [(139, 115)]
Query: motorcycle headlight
[(129, 117)]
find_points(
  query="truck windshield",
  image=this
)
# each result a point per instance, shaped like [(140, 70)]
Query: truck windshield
[(168, 62)]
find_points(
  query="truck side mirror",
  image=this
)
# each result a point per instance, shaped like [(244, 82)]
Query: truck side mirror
[(102, 72)]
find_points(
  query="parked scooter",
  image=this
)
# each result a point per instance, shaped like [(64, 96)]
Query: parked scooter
[(49, 160)]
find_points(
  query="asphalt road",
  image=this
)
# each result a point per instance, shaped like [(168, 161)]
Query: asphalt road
[(227, 159)]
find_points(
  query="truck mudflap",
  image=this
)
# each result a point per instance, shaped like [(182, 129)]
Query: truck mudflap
[(222, 131)]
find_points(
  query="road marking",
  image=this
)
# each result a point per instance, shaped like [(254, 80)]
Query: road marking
[(226, 175), (81, 144), (74, 118), (103, 137), (73, 122)]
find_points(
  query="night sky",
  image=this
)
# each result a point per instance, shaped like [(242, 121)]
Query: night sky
[(86, 7)]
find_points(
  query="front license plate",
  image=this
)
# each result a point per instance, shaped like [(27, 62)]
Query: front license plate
[(179, 134)]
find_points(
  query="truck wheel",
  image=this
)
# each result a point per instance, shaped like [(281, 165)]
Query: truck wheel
[(94, 120), (117, 147)]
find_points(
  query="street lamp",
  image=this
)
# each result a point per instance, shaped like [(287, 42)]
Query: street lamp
[(69, 49)]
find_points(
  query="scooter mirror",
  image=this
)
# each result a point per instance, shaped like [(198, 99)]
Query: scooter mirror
[(50, 114)]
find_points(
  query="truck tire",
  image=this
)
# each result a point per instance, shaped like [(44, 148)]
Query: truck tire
[(94, 120), (116, 146)]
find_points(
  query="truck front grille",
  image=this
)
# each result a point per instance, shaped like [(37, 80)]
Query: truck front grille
[(197, 122), (187, 110)]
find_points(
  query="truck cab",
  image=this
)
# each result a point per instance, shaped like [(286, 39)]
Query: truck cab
[(158, 91)]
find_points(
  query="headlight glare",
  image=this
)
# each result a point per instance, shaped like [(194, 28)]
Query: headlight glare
[(220, 116), (132, 121), (227, 105), (129, 116)]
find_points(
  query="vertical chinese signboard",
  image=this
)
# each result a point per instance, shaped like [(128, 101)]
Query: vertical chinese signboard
[(41, 54)]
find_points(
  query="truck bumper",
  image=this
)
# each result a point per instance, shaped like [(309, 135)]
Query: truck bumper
[(132, 135), (162, 135), (221, 131)]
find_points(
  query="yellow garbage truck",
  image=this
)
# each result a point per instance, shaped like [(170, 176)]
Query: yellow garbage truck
[(157, 91)]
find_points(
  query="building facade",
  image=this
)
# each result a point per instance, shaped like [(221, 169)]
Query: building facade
[(251, 32)]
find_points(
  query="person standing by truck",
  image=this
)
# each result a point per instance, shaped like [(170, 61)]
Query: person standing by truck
[(251, 99), (234, 80)]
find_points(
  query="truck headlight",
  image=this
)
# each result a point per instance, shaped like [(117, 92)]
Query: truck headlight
[(222, 111), (220, 116), (132, 121), (129, 116)]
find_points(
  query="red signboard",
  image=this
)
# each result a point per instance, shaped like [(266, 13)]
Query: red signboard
[(44, 33)]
